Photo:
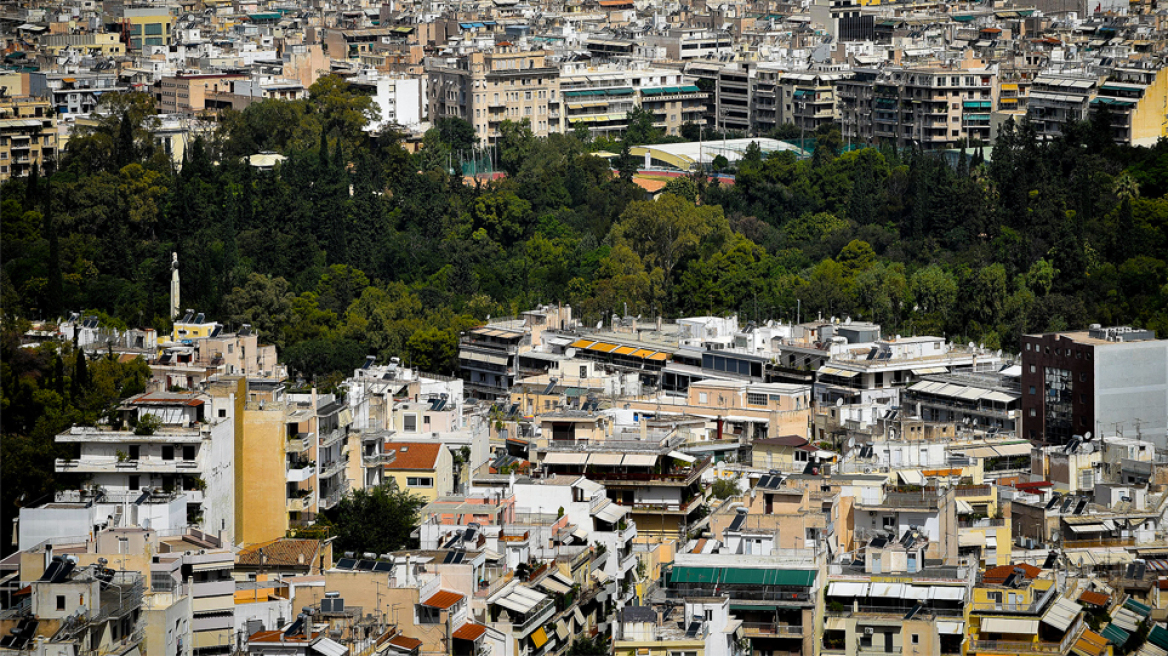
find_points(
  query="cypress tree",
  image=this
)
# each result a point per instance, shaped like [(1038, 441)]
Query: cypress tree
[(56, 290), (125, 147), (80, 380)]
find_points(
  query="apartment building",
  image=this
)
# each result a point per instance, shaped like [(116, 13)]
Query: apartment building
[(600, 97), (1105, 381), (692, 43), (189, 454), (1056, 100), (193, 95), (734, 97), (90, 43), (78, 94), (1136, 99), (140, 25), (28, 135), (487, 88), (401, 101)]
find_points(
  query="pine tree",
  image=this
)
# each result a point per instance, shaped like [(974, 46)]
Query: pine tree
[(56, 291), (32, 192), (59, 375), (125, 145)]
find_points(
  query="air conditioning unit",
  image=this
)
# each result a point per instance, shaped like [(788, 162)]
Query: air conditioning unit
[(868, 630)]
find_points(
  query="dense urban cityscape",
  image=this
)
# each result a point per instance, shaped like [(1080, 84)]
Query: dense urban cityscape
[(583, 328)]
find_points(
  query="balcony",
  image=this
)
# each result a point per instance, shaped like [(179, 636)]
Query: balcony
[(1014, 647), (300, 443), (535, 618), (764, 630), (301, 504), (378, 459), (213, 588), (667, 508), (299, 472), (148, 466), (329, 438), (332, 468)]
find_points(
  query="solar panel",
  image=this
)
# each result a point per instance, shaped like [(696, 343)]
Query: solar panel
[(739, 520), (1011, 580), (346, 563), (297, 627), (514, 409), (1050, 560), (51, 570), (449, 555), (872, 353), (383, 567), (365, 565), (458, 558), (693, 629), (369, 360), (441, 405), (765, 481), (451, 542), (1070, 501), (878, 543), (1053, 502), (1082, 505), (216, 330), (913, 611), (1141, 569), (550, 386)]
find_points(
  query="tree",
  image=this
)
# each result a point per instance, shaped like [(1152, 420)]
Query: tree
[(456, 133), (318, 358), (80, 382), (263, 302), (724, 488), (626, 163), (433, 350), (589, 646), (515, 143), (377, 520), (640, 128)]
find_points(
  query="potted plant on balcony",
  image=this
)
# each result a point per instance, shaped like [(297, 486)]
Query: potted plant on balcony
[(147, 425)]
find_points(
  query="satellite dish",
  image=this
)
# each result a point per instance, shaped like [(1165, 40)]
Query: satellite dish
[(571, 353), (839, 402), (1087, 435), (600, 324)]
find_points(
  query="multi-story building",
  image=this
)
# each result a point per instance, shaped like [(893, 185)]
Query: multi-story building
[(1136, 98), (979, 401), (77, 94), (856, 96), (1017, 609), (488, 356), (401, 101), (28, 136), (601, 98), (933, 108), (487, 88), (690, 43), (808, 100), (1056, 100), (193, 95), (844, 20), (140, 25), (162, 443), (90, 43), (733, 97), (1102, 380)]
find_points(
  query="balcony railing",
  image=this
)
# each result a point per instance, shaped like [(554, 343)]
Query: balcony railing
[(537, 616), (893, 611), (1015, 647), (764, 629), (329, 438), (378, 459), (333, 467), (300, 504)]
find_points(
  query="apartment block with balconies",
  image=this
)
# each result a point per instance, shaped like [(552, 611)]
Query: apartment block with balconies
[(28, 136)]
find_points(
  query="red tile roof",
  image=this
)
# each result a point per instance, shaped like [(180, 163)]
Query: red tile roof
[(403, 642), (443, 599), (470, 631), (784, 440), (281, 552), (1096, 598), (414, 455), (995, 575)]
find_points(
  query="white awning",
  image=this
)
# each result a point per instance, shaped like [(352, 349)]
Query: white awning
[(963, 506), (1062, 613), (951, 628), (991, 541), (562, 630), (580, 533), (836, 371), (606, 459), (911, 477), (611, 513), (579, 618), (552, 585), (516, 604), (558, 458), (969, 538), (640, 460), (329, 647), (483, 357), (601, 576), (947, 593), (925, 371), (847, 589), (492, 555), (1009, 625), (207, 567), (917, 592), (887, 590), (684, 457), (1088, 528), (836, 624)]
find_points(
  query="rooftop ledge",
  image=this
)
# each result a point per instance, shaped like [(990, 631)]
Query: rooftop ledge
[(106, 434)]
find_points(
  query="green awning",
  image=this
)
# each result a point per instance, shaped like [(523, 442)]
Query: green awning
[(1137, 607), (962, 18), (1112, 87), (684, 574), (1115, 635), (652, 92), (801, 92), (623, 91), (1158, 636), (976, 104), (574, 392), (262, 17), (746, 576), (672, 90), (691, 88), (1113, 101), (977, 117)]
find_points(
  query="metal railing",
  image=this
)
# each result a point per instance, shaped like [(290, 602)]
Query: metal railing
[(755, 628), (541, 612), (1016, 646), (329, 438)]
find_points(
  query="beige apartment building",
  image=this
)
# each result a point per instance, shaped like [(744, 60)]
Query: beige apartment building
[(196, 94), (107, 44), (486, 89), (28, 135), (600, 97)]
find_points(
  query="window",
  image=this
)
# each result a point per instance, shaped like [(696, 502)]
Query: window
[(916, 638), (583, 371), (123, 545), (800, 456), (419, 481), (756, 399), (703, 397), (60, 602), (168, 452), (1032, 390), (222, 413), (889, 521), (1033, 369), (426, 420), (410, 423), (135, 452), (188, 452), (133, 484)]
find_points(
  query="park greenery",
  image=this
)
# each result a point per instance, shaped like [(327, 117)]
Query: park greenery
[(356, 245)]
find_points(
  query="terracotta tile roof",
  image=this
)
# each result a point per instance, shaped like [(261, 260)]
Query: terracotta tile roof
[(285, 552), (415, 455), (1096, 598), (406, 643), (277, 636), (997, 575), (443, 599), (784, 440), (470, 631)]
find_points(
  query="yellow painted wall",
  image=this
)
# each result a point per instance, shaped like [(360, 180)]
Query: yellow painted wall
[(261, 512), (1148, 122)]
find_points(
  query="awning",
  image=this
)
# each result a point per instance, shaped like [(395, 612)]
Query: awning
[(539, 638), (951, 628), (612, 513), (963, 506), (915, 592), (925, 371), (1088, 528), (601, 576), (552, 585), (1009, 625), (207, 567), (579, 617), (1061, 614), (483, 357), (835, 371), (606, 459), (581, 533), (677, 455), (911, 477), (557, 458), (836, 624), (562, 630), (887, 590), (947, 593), (991, 541), (640, 460), (847, 589), (969, 538)]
